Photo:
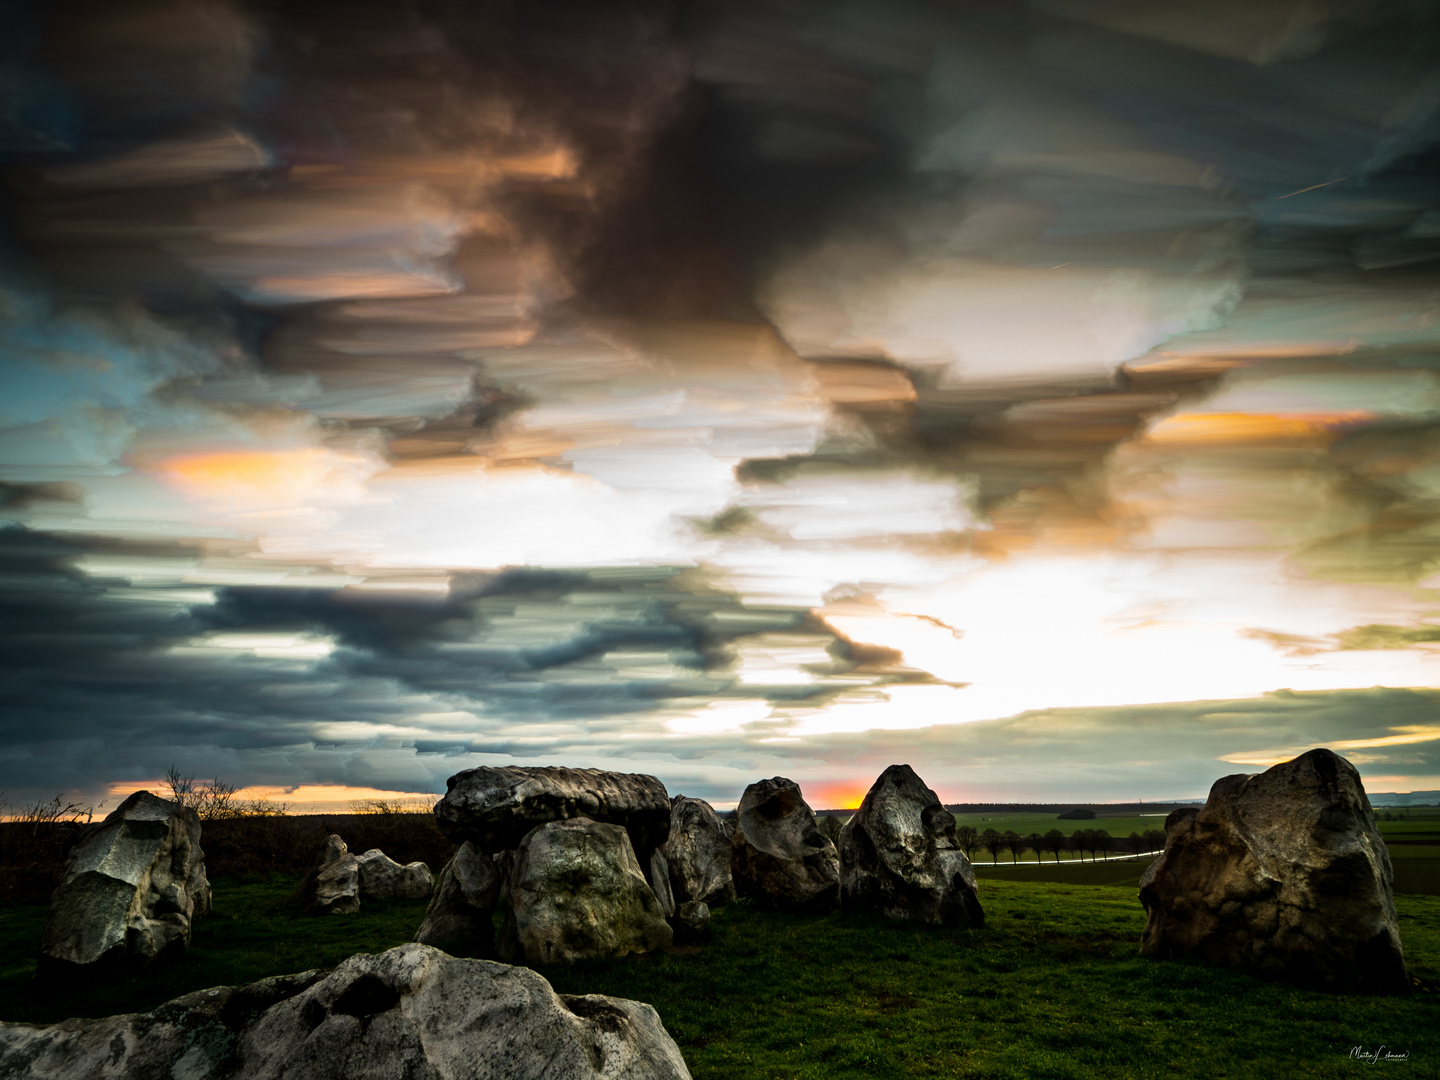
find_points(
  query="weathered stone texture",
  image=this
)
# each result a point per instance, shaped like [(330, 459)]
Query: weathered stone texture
[(1281, 874), (383, 878), (411, 1012), (130, 889), (698, 852), (660, 882), (899, 857), (577, 893), (494, 807), (332, 885), (779, 856), (462, 908)]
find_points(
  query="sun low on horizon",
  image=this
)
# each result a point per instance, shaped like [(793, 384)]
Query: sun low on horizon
[(731, 398)]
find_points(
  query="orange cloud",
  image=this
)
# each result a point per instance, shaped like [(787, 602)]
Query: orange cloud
[(273, 477), (1237, 427)]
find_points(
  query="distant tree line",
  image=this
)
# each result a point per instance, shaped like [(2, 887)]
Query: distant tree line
[(1082, 842), (1053, 844)]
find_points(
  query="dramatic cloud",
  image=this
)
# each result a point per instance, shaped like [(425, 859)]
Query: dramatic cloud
[(1046, 394)]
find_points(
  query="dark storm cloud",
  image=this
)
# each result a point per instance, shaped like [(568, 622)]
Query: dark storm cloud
[(105, 678)]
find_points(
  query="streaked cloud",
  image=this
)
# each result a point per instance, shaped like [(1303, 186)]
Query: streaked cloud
[(1046, 393)]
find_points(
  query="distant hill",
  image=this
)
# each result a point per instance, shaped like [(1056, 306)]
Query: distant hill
[(1405, 798)]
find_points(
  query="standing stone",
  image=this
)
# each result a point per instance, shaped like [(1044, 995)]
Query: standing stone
[(494, 807), (698, 852), (577, 893), (778, 854), (1282, 874), (129, 890), (382, 878), (900, 857), (332, 885), (460, 918), (410, 1012)]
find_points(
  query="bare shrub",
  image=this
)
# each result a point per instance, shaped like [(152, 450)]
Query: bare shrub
[(212, 800), (33, 842)]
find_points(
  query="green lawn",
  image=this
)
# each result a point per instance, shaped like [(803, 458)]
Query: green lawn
[(1052, 987)]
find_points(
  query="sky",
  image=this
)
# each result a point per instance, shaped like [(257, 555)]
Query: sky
[(1043, 394)]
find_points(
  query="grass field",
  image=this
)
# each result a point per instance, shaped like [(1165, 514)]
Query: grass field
[(1051, 988), (1119, 873)]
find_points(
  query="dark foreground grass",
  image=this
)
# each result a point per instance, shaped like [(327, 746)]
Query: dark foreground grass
[(252, 934), (1052, 987)]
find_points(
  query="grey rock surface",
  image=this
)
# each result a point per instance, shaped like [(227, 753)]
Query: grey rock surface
[(411, 1012), (900, 857), (332, 885), (778, 855), (698, 852), (130, 889), (462, 908), (659, 879), (494, 807), (383, 878), (577, 893), (1281, 874)]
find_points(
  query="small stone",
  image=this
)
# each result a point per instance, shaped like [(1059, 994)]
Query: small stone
[(382, 878), (332, 885)]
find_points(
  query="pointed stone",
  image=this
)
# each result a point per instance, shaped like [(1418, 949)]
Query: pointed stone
[(900, 857), (779, 856)]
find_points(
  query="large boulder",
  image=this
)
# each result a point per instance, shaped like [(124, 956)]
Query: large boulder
[(411, 1012), (332, 884), (130, 889), (382, 878), (900, 857), (460, 918), (778, 855), (698, 852), (495, 806), (1281, 874), (577, 893)]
